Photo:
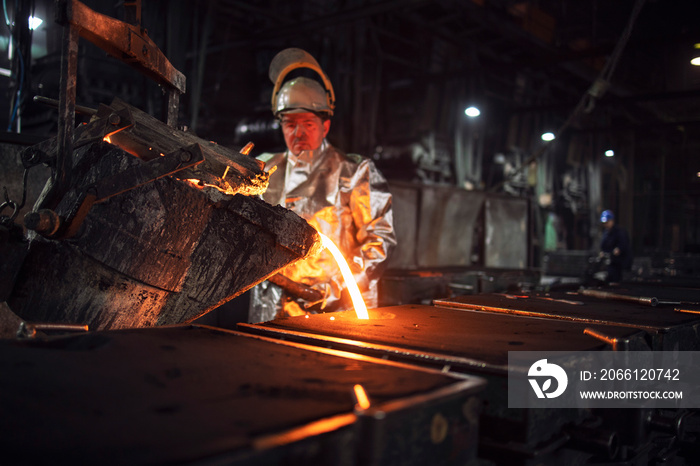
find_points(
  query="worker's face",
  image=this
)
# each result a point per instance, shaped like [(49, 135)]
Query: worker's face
[(609, 224), (303, 131)]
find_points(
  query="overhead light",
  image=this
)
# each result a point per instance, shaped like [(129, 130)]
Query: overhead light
[(696, 61), (548, 136), (34, 22), (472, 112), (609, 153)]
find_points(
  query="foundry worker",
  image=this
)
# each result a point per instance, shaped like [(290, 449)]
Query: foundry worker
[(343, 196), (615, 243)]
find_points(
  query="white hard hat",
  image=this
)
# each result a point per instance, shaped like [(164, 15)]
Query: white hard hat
[(302, 95)]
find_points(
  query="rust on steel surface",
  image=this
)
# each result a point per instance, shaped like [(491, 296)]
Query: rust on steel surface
[(163, 253), (557, 305), (107, 278), (66, 110), (147, 138), (157, 250), (453, 333), (129, 43), (128, 392), (296, 289)]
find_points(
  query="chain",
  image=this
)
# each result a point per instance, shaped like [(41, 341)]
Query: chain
[(13, 204)]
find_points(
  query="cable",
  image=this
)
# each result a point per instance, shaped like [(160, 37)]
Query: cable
[(19, 90), (7, 19), (602, 82), (598, 88), (20, 87)]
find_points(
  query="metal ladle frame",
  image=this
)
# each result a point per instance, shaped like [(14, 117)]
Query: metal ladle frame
[(126, 42)]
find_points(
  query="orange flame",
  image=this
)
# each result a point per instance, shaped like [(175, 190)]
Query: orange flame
[(357, 301)]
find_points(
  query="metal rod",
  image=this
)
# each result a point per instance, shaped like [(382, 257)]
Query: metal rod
[(29, 330), (296, 289), (614, 342), (132, 12), (173, 107), (649, 301), (66, 107), (55, 104)]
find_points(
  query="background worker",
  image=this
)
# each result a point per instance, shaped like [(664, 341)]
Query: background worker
[(615, 243), (343, 196)]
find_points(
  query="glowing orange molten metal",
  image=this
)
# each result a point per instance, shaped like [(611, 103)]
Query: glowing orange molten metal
[(361, 397), (357, 301), (201, 185)]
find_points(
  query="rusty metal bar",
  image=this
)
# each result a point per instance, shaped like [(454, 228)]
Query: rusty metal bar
[(649, 301), (55, 104), (124, 41), (616, 343), (66, 109), (296, 289), (47, 223), (147, 172), (29, 330), (130, 44), (132, 10), (172, 107)]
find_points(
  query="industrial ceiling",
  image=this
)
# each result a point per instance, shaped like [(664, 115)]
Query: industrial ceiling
[(597, 73)]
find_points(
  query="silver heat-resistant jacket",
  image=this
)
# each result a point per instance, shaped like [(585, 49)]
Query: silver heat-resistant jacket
[(346, 198)]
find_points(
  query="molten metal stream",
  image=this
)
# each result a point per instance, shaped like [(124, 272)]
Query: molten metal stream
[(357, 301)]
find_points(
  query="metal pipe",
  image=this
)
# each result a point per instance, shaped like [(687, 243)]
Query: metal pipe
[(66, 108), (55, 104), (297, 289), (28, 330), (649, 301), (674, 424)]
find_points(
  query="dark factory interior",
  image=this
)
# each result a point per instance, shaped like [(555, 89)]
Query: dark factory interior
[(509, 181)]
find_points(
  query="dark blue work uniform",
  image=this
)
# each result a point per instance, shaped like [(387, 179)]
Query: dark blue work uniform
[(616, 237)]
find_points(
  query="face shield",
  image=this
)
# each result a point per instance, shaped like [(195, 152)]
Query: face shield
[(300, 94)]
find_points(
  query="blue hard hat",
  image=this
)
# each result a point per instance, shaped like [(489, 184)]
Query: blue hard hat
[(606, 215)]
